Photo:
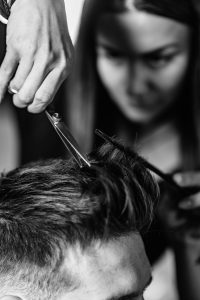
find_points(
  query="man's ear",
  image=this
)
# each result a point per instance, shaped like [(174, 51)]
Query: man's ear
[(10, 297)]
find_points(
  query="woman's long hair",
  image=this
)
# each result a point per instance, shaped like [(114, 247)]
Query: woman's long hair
[(88, 104)]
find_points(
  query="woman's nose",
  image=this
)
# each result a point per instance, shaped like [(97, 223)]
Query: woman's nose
[(137, 80)]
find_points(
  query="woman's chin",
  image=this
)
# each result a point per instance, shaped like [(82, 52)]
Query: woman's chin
[(139, 116)]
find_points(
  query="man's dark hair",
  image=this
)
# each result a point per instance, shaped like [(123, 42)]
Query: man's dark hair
[(49, 206)]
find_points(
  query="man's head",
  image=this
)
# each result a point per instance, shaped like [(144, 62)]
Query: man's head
[(74, 234)]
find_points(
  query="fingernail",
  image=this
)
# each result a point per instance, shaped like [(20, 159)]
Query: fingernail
[(186, 204), (178, 178)]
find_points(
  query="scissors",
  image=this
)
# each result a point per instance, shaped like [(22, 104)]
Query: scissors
[(65, 135), (67, 138)]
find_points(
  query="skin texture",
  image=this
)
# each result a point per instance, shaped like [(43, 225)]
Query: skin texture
[(142, 60), (110, 271), (39, 53)]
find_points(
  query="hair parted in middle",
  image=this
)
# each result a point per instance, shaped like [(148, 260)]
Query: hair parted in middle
[(87, 98)]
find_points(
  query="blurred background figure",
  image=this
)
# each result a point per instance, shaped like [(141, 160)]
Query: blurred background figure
[(135, 76)]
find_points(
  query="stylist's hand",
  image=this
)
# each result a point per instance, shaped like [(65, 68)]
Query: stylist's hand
[(189, 179), (39, 53), (181, 217)]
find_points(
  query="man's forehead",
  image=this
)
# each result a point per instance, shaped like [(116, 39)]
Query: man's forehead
[(106, 270)]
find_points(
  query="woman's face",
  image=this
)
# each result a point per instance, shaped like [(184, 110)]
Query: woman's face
[(142, 60)]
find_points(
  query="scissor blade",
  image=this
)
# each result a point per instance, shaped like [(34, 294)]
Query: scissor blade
[(68, 140), (70, 148)]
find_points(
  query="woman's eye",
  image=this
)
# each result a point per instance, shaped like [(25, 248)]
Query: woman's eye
[(159, 61), (114, 54), (109, 53)]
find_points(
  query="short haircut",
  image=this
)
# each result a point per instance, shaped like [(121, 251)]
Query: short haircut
[(50, 205)]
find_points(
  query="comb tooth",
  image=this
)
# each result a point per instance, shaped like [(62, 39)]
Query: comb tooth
[(103, 135), (167, 178)]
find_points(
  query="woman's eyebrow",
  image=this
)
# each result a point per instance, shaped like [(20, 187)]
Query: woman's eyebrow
[(106, 46), (161, 49), (150, 52)]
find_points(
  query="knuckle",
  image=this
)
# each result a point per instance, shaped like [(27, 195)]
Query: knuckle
[(71, 55), (6, 70), (46, 60), (30, 49), (3, 85), (42, 98), (20, 44), (65, 66), (15, 86), (6, 67), (72, 51), (45, 52), (51, 57), (18, 103), (63, 71), (70, 48), (16, 83), (24, 99)]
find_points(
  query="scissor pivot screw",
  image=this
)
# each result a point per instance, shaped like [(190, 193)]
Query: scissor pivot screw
[(56, 117)]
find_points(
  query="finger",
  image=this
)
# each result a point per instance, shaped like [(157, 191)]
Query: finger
[(7, 69), (174, 220), (191, 202), (46, 92), (187, 178), (32, 83), (21, 74)]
